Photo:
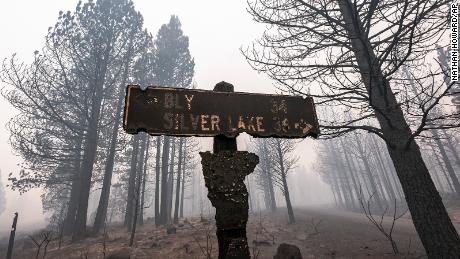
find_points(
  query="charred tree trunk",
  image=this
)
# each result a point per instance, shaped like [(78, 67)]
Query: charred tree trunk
[(69, 222), (132, 183), (169, 199), (284, 182), (144, 180), (101, 212), (429, 215), (157, 181), (181, 213), (9, 253), (178, 180), (271, 189), (134, 218), (164, 181), (89, 154)]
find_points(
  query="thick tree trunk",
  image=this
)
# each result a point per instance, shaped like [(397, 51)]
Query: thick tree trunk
[(89, 156), (129, 212), (157, 181), (69, 221), (430, 218), (429, 215)]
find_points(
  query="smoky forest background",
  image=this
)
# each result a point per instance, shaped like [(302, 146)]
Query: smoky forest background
[(384, 180)]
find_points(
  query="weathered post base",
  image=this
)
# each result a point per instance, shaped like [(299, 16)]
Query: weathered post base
[(224, 175)]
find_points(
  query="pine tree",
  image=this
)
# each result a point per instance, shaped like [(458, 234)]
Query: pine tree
[(174, 67)]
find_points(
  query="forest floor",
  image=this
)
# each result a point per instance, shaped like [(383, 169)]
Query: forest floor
[(319, 233)]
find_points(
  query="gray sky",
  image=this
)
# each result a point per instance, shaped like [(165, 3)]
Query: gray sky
[(216, 30)]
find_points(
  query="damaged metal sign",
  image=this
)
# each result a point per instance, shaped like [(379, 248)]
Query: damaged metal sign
[(191, 112)]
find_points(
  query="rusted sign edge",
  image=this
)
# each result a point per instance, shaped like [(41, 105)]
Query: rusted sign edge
[(313, 132)]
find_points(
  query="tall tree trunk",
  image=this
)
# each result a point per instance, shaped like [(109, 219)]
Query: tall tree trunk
[(144, 180), (181, 213), (271, 189), (429, 215), (89, 153), (284, 181), (132, 182), (178, 180), (101, 212), (184, 163), (171, 181), (69, 222), (164, 181), (133, 222), (288, 200), (157, 181)]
